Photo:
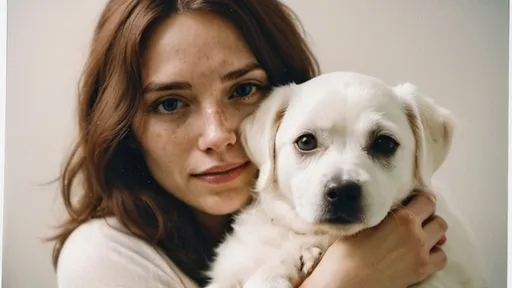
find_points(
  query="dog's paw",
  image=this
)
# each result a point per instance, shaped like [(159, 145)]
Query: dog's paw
[(309, 258)]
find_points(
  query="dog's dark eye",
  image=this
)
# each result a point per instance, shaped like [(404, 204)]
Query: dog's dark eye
[(384, 145), (306, 142)]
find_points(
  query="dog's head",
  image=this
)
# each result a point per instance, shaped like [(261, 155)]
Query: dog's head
[(344, 148)]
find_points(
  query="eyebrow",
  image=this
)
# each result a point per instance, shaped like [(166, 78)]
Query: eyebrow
[(241, 72), (230, 76)]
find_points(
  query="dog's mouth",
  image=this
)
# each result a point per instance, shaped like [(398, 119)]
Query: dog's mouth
[(348, 223), (342, 219), (343, 223)]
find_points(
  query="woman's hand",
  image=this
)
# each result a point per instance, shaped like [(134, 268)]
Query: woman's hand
[(402, 250)]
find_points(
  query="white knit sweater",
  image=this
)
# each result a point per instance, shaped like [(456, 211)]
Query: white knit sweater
[(98, 256)]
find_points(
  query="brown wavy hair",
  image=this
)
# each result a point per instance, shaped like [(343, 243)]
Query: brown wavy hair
[(104, 175)]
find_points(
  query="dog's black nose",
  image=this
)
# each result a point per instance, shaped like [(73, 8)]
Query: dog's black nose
[(348, 192), (343, 199)]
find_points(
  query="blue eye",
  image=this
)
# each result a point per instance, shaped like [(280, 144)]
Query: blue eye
[(244, 90), (169, 105)]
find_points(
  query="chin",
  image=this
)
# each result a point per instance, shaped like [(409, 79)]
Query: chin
[(227, 202)]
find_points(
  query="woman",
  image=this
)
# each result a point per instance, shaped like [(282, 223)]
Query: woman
[(158, 159)]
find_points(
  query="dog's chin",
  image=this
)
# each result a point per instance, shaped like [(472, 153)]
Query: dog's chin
[(342, 230), (369, 219), (327, 227), (311, 222), (350, 229)]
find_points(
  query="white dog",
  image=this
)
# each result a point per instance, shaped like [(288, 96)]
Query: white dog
[(335, 154)]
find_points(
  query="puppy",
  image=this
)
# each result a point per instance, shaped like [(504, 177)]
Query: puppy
[(335, 155)]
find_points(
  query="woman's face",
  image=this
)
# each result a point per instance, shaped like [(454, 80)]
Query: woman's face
[(200, 81)]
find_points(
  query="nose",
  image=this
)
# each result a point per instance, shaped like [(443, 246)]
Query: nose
[(343, 199), (218, 134)]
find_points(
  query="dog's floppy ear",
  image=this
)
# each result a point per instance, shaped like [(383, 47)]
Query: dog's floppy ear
[(433, 128), (258, 131)]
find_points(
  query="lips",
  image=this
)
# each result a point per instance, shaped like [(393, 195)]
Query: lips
[(222, 174), (220, 169)]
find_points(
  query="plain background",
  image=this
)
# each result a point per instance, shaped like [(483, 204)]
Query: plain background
[(456, 51), (3, 72)]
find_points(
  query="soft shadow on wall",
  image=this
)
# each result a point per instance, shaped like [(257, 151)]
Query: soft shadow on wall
[(47, 45), (456, 51)]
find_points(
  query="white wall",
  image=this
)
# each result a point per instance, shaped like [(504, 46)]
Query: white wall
[(47, 45), (3, 76), (456, 51)]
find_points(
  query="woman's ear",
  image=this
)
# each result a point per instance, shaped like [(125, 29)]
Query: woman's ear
[(258, 132), (433, 128)]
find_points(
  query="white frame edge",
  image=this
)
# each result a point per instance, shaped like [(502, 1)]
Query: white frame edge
[(509, 188), (3, 93)]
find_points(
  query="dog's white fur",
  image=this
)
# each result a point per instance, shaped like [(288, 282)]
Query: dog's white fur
[(283, 225)]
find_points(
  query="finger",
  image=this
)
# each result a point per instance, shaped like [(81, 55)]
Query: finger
[(438, 259), (435, 229), (422, 206)]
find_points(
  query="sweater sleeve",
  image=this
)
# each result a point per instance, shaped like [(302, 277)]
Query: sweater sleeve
[(97, 255)]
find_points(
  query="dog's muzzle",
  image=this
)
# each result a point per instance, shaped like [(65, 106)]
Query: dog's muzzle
[(343, 202)]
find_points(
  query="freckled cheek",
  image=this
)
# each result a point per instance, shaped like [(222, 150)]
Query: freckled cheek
[(243, 113), (163, 146)]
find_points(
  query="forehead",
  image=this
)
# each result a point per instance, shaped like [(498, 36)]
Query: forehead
[(344, 101), (193, 44)]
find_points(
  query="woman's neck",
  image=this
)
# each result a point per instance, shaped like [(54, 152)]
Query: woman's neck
[(215, 224)]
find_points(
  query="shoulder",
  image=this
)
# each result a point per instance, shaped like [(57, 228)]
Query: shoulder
[(100, 253)]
